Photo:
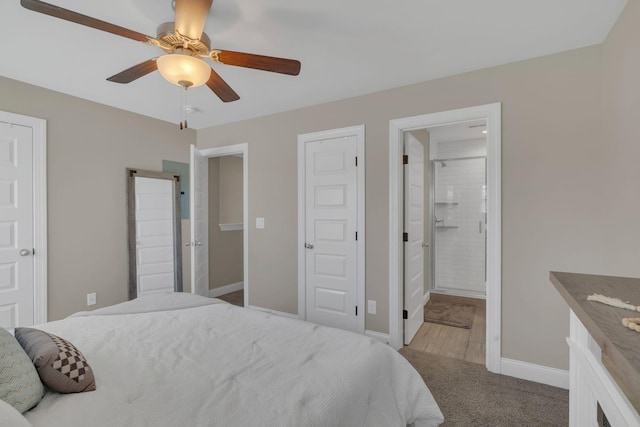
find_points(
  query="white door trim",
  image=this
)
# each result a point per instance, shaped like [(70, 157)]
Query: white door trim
[(358, 131), (39, 128), (492, 114), (229, 150)]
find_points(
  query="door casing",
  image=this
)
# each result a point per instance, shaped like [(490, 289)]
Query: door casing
[(491, 113), (40, 268), (357, 131)]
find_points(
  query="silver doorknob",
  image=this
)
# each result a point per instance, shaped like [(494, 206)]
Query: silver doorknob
[(187, 244), (308, 245), (25, 252), (198, 243)]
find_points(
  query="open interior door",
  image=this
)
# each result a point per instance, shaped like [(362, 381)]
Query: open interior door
[(414, 245), (199, 177)]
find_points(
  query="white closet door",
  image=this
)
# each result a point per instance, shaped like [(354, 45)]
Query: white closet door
[(331, 225), (155, 263), (16, 226)]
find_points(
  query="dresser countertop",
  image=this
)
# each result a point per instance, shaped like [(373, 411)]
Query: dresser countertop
[(620, 346)]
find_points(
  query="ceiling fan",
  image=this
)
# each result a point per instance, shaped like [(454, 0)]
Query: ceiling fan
[(184, 44)]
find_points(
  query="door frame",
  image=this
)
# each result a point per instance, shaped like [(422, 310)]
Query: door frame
[(229, 150), (358, 131), (491, 113), (132, 174), (39, 133)]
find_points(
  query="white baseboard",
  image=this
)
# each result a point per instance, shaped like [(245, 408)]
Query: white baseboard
[(459, 293), (276, 312), (426, 298), (384, 338), (537, 373), (226, 289)]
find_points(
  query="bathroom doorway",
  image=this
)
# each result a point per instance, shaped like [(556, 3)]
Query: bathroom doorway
[(444, 165)]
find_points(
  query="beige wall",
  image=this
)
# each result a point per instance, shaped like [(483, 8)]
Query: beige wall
[(225, 247), (89, 146), (621, 144), (231, 190), (551, 214)]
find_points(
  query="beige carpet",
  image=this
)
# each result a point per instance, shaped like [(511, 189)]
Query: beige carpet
[(449, 313), (469, 395)]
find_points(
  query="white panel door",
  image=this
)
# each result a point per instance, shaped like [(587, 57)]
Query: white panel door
[(331, 225), (155, 263), (199, 175), (16, 226), (414, 247)]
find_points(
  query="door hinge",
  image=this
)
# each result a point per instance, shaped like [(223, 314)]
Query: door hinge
[(356, 161), (405, 314), (405, 237), (33, 251), (356, 310), (356, 235), (405, 159)]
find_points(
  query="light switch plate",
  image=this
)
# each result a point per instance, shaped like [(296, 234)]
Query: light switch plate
[(91, 299), (372, 307), (260, 223)]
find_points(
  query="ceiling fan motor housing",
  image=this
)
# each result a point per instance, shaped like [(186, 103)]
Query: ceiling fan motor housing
[(166, 33)]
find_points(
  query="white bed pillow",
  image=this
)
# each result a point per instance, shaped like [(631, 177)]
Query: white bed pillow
[(9, 416)]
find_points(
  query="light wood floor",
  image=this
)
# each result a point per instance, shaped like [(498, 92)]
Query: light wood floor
[(235, 298), (449, 341)]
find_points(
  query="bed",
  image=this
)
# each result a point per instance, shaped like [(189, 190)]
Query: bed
[(183, 360)]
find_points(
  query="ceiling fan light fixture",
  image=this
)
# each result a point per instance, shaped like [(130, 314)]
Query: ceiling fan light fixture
[(183, 70)]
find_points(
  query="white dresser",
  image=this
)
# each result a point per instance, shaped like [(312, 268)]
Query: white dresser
[(605, 356)]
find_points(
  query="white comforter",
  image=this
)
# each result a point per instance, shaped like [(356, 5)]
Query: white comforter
[(221, 365)]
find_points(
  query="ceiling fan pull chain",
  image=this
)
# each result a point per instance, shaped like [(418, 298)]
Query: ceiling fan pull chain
[(184, 107)]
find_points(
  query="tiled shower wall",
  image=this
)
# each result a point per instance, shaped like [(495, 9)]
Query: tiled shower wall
[(460, 200)]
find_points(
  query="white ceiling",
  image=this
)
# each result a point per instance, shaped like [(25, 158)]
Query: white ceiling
[(347, 48)]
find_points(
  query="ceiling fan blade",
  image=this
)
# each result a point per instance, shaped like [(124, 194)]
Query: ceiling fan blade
[(221, 88), (68, 15), (257, 62), (191, 16), (135, 72)]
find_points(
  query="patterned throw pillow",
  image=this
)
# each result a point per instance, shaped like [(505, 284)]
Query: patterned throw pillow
[(60, 365), (20, 386)]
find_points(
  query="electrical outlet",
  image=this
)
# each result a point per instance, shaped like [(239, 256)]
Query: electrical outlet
[(260, 223), (372, 307), (91, 299)]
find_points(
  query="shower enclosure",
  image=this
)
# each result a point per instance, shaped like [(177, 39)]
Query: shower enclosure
[(458, 237)]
